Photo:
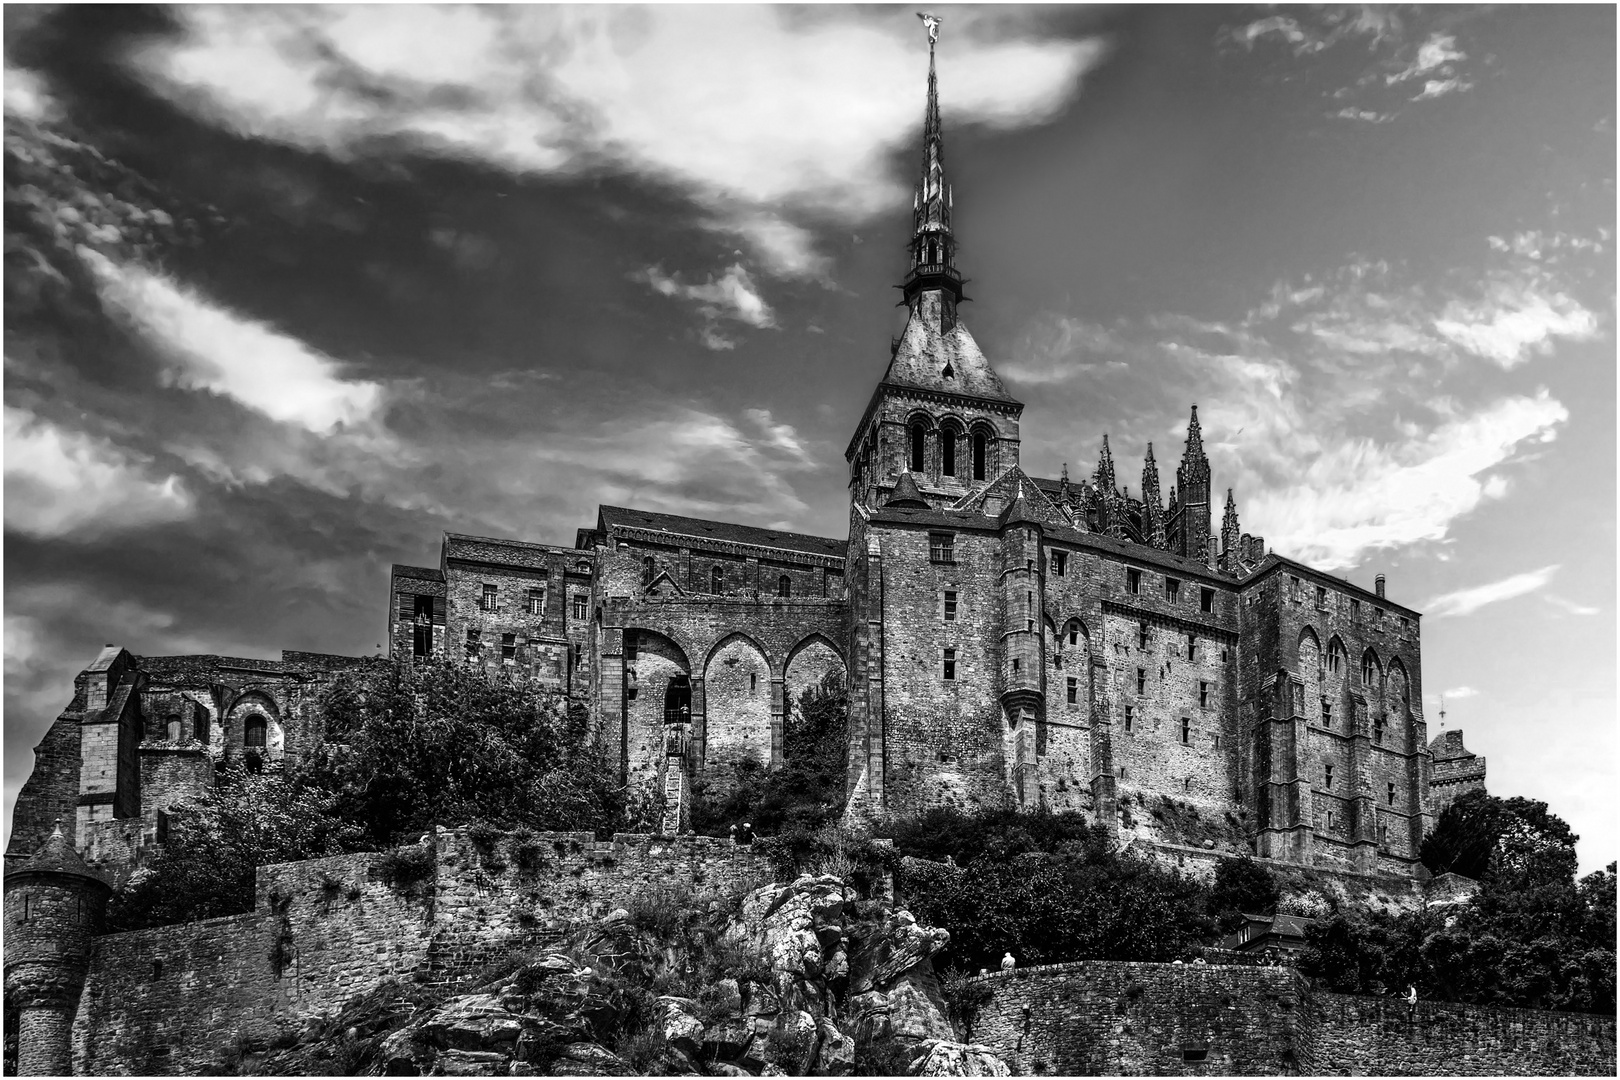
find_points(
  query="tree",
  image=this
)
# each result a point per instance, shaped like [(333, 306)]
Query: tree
[(1241, 886)]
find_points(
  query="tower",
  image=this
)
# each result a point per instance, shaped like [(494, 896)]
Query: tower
[(1189, 523), (940, 410), (54, 903)]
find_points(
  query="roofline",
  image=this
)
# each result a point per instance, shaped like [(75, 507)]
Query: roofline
[(508, 543), (709, 540), (1273, 561), (1010, 404)]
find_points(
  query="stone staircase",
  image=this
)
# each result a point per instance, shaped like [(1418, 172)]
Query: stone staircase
[(674, 793)]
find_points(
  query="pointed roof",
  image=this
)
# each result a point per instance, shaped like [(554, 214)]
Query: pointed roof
[(56, 856), (1014, 487), (1105, 469), (1195, 437), (906, 494), (933, 246), (947, 361)]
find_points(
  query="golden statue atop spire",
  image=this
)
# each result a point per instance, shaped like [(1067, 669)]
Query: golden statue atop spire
[(931, 21)]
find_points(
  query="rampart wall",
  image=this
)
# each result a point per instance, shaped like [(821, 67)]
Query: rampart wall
[(187, 998), (1096, 1018)]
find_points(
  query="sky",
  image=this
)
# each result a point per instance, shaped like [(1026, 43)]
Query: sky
[(290, 292)]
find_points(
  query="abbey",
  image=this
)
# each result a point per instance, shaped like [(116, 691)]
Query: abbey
[(1003, 636)]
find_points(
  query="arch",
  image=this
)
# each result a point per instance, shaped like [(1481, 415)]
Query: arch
[(812, 638), (658, 665), (172, 729), (254, 711), (916, 447), (982, 436), (1371, 671), (1338, 656), (726, 639), (1075, 633), (1307, 637), (738, 714), (950, 435), (649, 570), (808, 664)]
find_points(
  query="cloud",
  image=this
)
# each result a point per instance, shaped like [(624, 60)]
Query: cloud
[(1366, 116), (1458, 693), (734, 296), (206, 347), (67, 484), (1441, 87), (1468, 601), (1515, 320), (1438, 52), (1569, 605), (26, 96), (760, 115)]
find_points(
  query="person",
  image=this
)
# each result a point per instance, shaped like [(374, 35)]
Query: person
[(1008, 963), (745, 835), (1411, 995)]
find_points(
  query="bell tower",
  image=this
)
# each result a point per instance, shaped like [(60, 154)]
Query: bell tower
[(940, 411)]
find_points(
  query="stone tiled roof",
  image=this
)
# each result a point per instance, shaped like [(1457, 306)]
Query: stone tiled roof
[(422, 573), (700, 529), (925, 353), (56, 856), (490, 549)]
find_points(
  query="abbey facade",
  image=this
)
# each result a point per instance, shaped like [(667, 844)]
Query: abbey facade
[(1003, 637)]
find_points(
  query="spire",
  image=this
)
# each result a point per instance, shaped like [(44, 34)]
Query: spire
[(1104, 476), (1230, 535), (933, 246), (1189, 531), (1195, 438), (1153, 528)]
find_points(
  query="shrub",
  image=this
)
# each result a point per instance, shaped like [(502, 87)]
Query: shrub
[(406, 867)]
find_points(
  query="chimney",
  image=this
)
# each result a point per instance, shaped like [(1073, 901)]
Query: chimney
[(1378, 585)]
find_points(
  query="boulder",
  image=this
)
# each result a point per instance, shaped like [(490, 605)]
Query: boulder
[(469, 1022), (728, 998), (869, 1016), (725, 1068), (916, 1009), (677, 1024), (726, 1038), (402, 1054), (589, 1059), (837, 1054), (942, 1057), (470, 1063), (761, 1000)]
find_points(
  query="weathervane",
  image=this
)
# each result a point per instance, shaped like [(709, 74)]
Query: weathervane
[(931, 21)]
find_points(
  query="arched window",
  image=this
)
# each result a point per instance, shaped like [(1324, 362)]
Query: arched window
[(784, 586), (717, 578), (919, 448), (947, 451), (1335, 657), (1369, 669), (647, 569), (980, 446), (254, 732), (1074, 631)]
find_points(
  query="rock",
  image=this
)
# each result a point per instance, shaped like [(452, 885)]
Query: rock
[(869, 1016), (469, 1023), (400, 1054), (917, 1013), (470, 1063), (771, 1068), (761, 1000), (616, 915), (589, 1059), (837, 1054), (942, 1057), (725, 1068), (902, 946), (520, 1068), (728, 998), (677, 1024), (726, 1038)]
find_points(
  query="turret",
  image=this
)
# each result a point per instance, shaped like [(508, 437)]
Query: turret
[(1232, 553), (54, 904), (1023, 698)]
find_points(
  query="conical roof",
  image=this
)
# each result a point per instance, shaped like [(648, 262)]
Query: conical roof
[(949, 361), (906, 494), (56, 856)]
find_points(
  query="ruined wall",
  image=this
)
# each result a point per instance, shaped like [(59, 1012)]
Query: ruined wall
[(1095, 1018), (186, 998)]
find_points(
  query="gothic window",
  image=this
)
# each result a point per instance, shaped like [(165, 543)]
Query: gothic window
[(950, 665), (784, 586), (1335, 657), (717, 578), (947, 451), (980, 449), (1369, 669), (487, 601), (919, 448), (254, 733)]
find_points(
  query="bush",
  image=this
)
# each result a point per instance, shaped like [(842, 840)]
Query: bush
[(406, 867), (1241, 886)]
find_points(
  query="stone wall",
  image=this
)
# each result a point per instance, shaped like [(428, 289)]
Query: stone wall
[(1102, 1018), (186, 998)]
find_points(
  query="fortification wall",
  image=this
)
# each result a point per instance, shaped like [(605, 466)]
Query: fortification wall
[(1105, 1018), (187, 998)]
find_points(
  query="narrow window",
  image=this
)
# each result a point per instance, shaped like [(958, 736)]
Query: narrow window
[(537, 601), (172, 728), (508, 648), (632, 649), (1203, 695), (1172, 590), (1192, 646), (1074, 691), (648, 569), (1141, 680), (1130, 716), (473, 634), (1133, 582), (1330, 819), (950, 605), (1321, 596), (1293, 587), (1392, 794), (1299, 700), (582, 606), (422, 627), (950, 665), (1074, 632), (919, 446), (753, 683), (253, 733), (157, 970), (1327, 713), (1378, 730), (487, 601), (199, 723), (162, 827), (784, 586), (1122, 772), (717, 578), (979, 455), (1405, 623), (1355, 611), (1369, 670), (1333, 657), (1015, 665), (1060, 562), (1186, 731), (947, 452), (1328, 778), (1142, 636), (574, 657), (942, 548), (1383, 834), (1206, 600)]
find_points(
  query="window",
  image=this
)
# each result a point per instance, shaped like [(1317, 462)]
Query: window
[(1378, 618), (1192, 646), (1074, 632), (1299, 700), (1206, 600), (919, 447), (1074, 691), (1327, 780), (1321, 596), (162, 826), (950, 605), (1383, 834), (172, 728), (473, 636), (1186, 731), (784, 586), (1355, 611), (1327, 713), (1378, 730), (1016, 665), (1334, 657), (942, 548), (537, 601), (487, 601), (947, 452), (199, 723), (1203, 695), (1141, 680), (582, 566), (950, 665), (1172, 590), (1330, 819), (253, 733), (508, 648), (1369, 670), (1130, 716), (1060, 562), (717, 579), (574, 656), (1392, 794), (582, 606), (1142, 636), (1133, 582), (753, 683), (631, 649), (1293, 587), (980, 453), (1405, 622), (649, 568)]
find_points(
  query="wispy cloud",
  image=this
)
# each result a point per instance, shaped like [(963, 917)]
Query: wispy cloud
[(1516, 320), (1468, 601), (62, 483), (732, 296), (207, 347), (1569, 605), (579, 89)]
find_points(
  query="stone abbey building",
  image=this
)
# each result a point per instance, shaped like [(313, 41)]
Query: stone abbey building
[(1053, 642)]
